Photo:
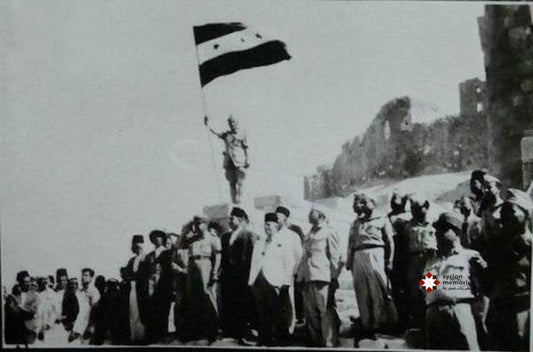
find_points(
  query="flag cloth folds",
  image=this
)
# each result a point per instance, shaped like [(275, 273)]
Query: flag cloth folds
[(225, 48)]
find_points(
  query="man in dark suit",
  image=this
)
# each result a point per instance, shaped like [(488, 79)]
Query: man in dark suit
[(237, 307), (160, 286)]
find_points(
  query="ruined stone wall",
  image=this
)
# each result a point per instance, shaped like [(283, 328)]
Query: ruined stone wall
[(507, 42), (394, 148), (472, 95)]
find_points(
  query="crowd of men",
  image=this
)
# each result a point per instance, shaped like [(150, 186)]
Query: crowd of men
[(260, 288)]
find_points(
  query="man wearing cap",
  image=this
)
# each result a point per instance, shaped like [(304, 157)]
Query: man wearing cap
[(399, 217), (319, 269), (449, 320), (204, 263), (293, 296), (235, 156), (159, 263), (271, 273), (422, 246), (137, 272), (370, 255), (237, 302), (283, 214), (508, 319)]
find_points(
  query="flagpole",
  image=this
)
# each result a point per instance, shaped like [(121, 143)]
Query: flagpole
[(204, 107)]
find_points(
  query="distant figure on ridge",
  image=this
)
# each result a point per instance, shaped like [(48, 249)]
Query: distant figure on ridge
[(235, 156)]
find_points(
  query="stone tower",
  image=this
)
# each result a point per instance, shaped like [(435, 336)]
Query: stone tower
[(507, 43)]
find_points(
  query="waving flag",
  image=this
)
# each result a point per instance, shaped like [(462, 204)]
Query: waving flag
[(225, 48)]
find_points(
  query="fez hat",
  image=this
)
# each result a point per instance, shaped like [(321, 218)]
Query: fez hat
[(137, 239), (158, 233), (271, 217), (449, 219), (61, 272), (519, 198), (283, 210), (215, 226), (238, 212), (21, 275)]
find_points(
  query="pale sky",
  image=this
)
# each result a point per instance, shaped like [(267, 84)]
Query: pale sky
[(101, 117)]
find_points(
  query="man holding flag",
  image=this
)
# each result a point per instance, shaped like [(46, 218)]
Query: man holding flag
[(223, 49)]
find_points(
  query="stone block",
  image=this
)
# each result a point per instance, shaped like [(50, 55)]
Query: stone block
[(267, 203), (217, 212)]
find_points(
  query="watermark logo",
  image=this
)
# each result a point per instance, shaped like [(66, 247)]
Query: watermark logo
[(429, 282)]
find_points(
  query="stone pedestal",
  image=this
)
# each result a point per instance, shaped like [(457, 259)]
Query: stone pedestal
[(219, 213), (267, 203), (526, 146)]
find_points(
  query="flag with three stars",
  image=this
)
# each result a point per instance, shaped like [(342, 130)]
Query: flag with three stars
[(225, 48)]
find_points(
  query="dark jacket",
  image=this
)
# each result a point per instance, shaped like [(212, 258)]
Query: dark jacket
[(70, 309), (141, 285), (237, 258), (164, 291)]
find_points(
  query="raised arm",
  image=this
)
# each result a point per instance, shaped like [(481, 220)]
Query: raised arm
[(206, 123)]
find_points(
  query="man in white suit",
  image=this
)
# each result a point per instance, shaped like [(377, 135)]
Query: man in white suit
[(293, 297), (271, 274)]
